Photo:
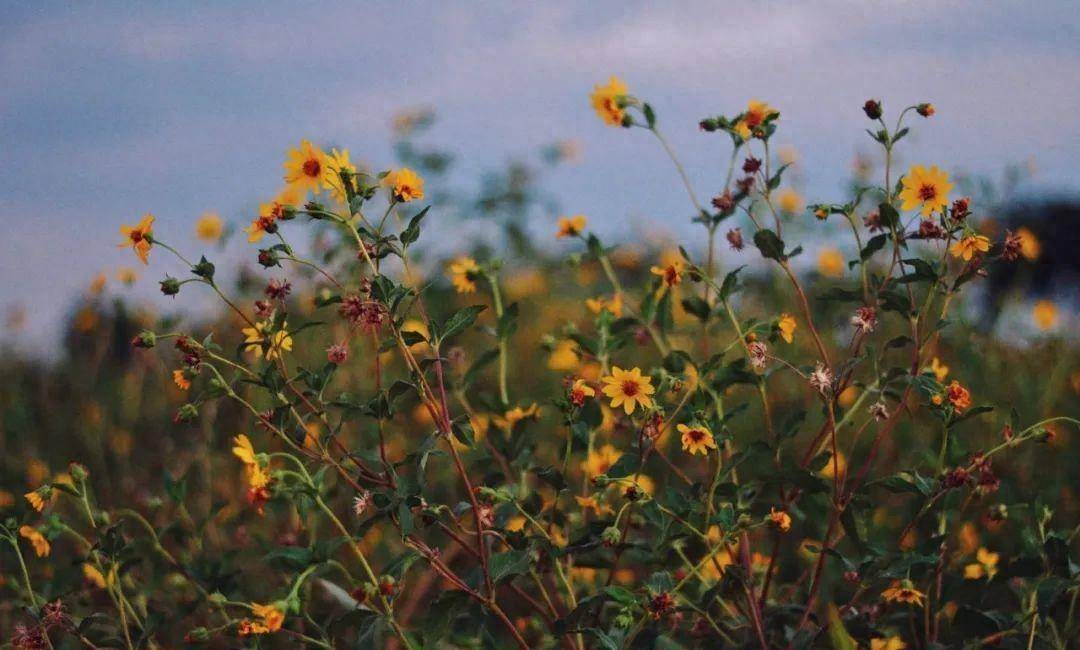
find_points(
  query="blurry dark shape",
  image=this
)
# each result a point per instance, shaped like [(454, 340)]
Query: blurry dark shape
[(1049, 264)]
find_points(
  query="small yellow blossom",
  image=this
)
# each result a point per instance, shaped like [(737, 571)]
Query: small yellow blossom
[(580, 391), (463, 274), (696, 439), (1045, 315), (780, 519), (36, 499), (789, 201), (97, 285), (338, 162), (257, 341), (940, 370), (628, 388), (606, 99), (985, 566), (970, 246), (405, 185), (599, 304), (571, 226), (126, 275), (600, 460), (787, 326), (181, 380), (830, 262), (37, 540), (92, 575), (925, 189), (510, 419), (756, 113), (307, 168), (209, 227), (564, 357), (903, 592), (1030, 246), (271, 616), (138, 237), (590, 503), (670, 274), (891, 643)]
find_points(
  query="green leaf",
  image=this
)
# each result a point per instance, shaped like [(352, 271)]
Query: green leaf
[(771, 246), (508, 564), (412, 231), (731, 281), (650, 115), (890, 218), (461, 319), (875, 244), (697, 306), (507, 324), (838, 634)]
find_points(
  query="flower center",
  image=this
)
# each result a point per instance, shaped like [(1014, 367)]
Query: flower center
[(630, 388), (312, 167), (136, 236), (928, 192), (697, 435)]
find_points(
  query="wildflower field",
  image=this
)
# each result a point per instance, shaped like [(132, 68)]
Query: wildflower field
[(376, 440)]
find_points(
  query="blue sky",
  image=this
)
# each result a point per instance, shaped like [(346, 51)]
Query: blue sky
[(110, 110)]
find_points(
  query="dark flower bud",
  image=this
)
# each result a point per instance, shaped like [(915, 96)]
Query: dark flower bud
[(926, 110), (611, 536), (709, 124), (735, 238), (186, 413), (872, 108), (268, 258), (144, 339), (204, 269), (751, 165), (170, 286)]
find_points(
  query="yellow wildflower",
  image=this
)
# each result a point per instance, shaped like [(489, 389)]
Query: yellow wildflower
[(1045, 315), (138, 237), (780, 519), (985, 565), (571, 226), (600, 460), (830, 262), (209, 227), (271, 616), (925, 189), (696, 439), (628, 388), (670, 273), (891, 643), (338, 162), (1030, 246), (940, 370), (126, 275), (599, 304), (463, 274), (405, 185), (789, 201), (970, 246), (257, 341), (787, 325), (564, 357), (307, 168), (37, 540), (515, 415), (903, 592), (606, 101)]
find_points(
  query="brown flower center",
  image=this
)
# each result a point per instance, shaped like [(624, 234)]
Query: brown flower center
[(136, 236), (696, 435), (927, 192), (312, 167), (630, 388)]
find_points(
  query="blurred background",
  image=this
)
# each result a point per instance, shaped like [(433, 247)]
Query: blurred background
[(109, 111)]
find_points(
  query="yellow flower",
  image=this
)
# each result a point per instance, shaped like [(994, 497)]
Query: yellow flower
[(756, 113), (790, 201), (926, 189), (696, 439), (269, 213), (903, 592), (841, 464), (830, 262), (338, 162), (985, 565), (464, 273), (138, 237), (307, 168), (590, 503), (244, 450), (787, 326), (780, 519), (93, 576), (256, 340), (628, 388), (605, 101), (271, 616), (670, 273), (515, 415), (181, 380), (126, 275), (600, 460), (405, 185), (891, 643), (571, 226), (970, 246), (37, 540), (209, 227), (580, 392), (940, 370), (1030, 246), (564, 357), (1045, 315), (36, 499), (599, 304)]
